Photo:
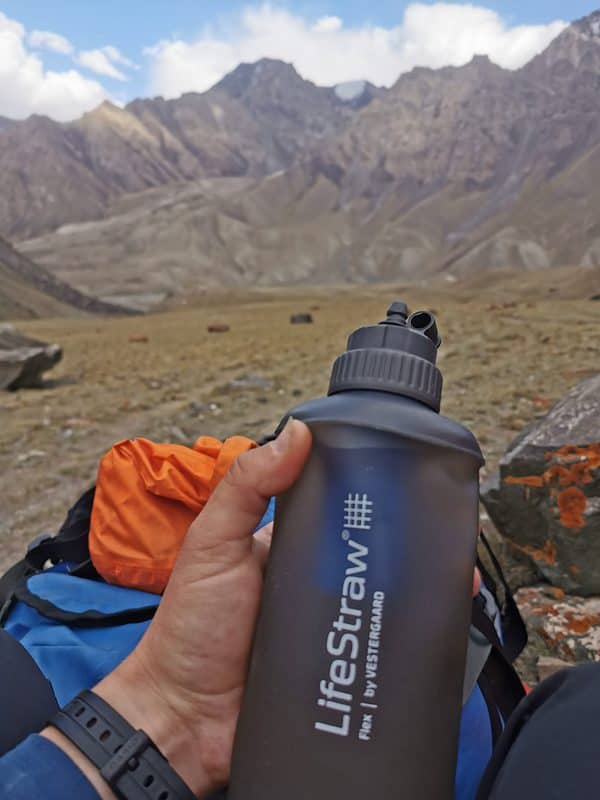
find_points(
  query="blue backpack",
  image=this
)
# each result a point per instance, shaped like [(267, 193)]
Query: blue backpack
[(76, 628)]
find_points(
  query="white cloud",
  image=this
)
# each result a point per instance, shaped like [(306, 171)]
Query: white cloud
[(97, 61), (26, 87), (327, 52), (103, 61), (328, 25), (117, 57), (47, 40)]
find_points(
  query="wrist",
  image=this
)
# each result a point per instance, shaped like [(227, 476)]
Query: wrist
[(131, 691), (82, 763)]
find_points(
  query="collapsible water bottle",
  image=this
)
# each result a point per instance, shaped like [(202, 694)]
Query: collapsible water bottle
[(354, 688)]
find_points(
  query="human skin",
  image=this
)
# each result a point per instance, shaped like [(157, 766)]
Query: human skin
[(183, 683)]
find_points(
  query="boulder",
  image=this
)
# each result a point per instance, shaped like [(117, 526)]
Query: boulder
[(24, 360), (301, 319), (545, 498), (568, 625), (549, 665)]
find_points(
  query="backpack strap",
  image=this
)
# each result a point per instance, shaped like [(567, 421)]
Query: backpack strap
[(70, 544), (91, 618), (514, 632), (71, 541), (499, 682)]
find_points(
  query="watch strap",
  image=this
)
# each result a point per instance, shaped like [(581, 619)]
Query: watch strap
[(127, 759)]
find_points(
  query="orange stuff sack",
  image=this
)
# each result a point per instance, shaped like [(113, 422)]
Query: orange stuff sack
[(147, 495)]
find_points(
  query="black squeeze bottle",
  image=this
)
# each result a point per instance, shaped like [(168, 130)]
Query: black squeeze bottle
[(354, 688)]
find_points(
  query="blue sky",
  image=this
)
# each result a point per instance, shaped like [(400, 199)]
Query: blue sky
[(120, 49)]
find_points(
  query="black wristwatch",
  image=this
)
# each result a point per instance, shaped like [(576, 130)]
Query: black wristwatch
[(127, 759)]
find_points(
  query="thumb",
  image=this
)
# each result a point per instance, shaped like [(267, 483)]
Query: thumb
[(240, 500)]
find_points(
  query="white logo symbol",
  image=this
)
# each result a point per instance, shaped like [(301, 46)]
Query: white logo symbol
[(358, 511)]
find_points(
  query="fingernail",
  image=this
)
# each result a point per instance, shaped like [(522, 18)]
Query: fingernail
[(282, 442)]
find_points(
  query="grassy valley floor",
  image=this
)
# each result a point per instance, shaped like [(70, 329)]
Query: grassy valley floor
[(505, 361)]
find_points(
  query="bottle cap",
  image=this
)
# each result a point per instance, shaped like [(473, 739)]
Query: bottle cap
[(398, 355)]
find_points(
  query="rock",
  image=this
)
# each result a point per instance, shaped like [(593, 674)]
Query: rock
[(595, 297), (23, 458), (301, 319), (250, 382), (24, 360), (569, 625), (76, 422), (196, 408), (218, 328), (177, 435), (545, 499), (138, 339), (549, 665)]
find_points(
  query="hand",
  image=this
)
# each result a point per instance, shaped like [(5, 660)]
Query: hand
[(183, 684)]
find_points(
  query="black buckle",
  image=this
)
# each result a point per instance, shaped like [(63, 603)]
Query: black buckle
[(126, 757)]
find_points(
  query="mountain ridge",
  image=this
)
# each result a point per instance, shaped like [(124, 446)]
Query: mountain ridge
[(71, 172), (27, 290), (268, 178)]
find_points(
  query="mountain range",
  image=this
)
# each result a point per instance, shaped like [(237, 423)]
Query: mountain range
[(267, 178)]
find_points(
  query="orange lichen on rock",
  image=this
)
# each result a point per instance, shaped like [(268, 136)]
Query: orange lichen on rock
[(571, 504), (572, 468), (580, 624), (548, 610), (577, 463), (525, 480), (556, 592), (547, 553), (566, 475)]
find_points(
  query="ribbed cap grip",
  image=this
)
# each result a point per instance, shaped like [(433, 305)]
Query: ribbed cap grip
[(388, 370)]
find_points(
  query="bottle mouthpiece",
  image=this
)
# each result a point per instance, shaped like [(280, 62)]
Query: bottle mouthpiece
[(398, 355), (425, 323)]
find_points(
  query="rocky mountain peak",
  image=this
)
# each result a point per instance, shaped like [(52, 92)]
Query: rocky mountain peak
[(248, 78), (294, 110), (587, 27), (482, 61), (36, 125), (575, 49), (479, 69), (106, 107), (105, 113)]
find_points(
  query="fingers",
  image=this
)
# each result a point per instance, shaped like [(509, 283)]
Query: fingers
[(239, 501)]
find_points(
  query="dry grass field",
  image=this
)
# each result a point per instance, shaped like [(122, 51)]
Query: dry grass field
[(505, 358)]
